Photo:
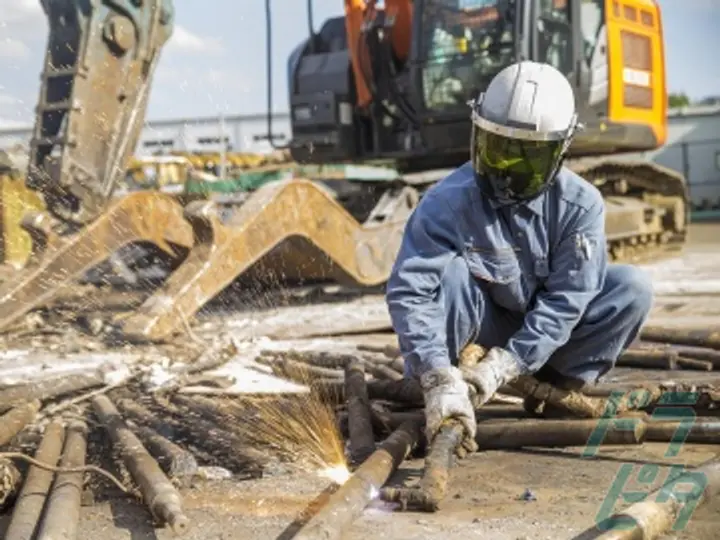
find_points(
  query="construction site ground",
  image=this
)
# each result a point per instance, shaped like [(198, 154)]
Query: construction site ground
[(489, 491)]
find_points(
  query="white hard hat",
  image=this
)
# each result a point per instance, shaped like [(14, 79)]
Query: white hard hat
[(523, 125)]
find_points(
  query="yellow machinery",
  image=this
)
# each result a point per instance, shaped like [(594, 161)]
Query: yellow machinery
[(301, 230)]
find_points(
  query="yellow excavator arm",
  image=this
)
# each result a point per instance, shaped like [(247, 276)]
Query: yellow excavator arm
[(96, 78)]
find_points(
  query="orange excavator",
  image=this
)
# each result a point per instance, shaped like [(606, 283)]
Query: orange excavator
[(394, 82)]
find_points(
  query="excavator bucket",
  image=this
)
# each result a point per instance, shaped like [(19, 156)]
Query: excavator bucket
[(295, 229), (55, 260)]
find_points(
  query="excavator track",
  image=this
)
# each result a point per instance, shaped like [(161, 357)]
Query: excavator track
[(647, 211)]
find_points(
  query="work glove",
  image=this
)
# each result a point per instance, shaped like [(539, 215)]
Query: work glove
[(447, 398), (497, 368)]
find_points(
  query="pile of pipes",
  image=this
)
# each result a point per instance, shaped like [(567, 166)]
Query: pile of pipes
[(165, 437), (382, 418)]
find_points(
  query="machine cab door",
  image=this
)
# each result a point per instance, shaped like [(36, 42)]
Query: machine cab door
[(557, 40)]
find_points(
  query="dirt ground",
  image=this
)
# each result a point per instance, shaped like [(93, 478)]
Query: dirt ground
[(529, 494)]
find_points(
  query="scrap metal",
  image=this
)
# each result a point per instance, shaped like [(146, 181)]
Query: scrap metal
[(693, 337), (62, 513), (661, 359), (362, 438), (433, 485), (346, 504), (175, 461), (161, 497), (12, 422), (30, 502), (47, 389)]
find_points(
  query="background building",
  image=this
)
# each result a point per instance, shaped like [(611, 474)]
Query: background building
[(693, 148), (693, 145), (241, 134)]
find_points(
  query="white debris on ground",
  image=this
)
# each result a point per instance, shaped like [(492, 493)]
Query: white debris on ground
[(692, 274), (25, 366)]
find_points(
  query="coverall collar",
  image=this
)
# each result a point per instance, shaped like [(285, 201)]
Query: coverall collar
[(535, 205)]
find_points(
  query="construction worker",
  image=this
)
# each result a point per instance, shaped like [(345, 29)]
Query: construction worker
[(509, 252)]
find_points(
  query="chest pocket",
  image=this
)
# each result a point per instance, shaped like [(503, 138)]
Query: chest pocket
[(499, 273)]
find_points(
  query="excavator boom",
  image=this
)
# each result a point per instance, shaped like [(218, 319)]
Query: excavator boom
[(99, 63)]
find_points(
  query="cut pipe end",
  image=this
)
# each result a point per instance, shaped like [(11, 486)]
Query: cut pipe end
[(179, 524)]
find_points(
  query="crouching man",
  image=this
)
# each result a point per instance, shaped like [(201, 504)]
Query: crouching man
[(509, 252)]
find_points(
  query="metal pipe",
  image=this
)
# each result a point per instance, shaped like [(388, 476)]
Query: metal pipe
[(62, 515), (649, 358), (434, 483), (660, 510), (497, 434), (661, 359), (47, 389), (362, 438), (174, 460), (30, 502), (346, 504), (571, 401), (688, 430), (693, 337), (14, 421), (159, 494), (406, 391)]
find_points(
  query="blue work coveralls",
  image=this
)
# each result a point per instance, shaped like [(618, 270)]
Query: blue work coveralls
[(532, 278)]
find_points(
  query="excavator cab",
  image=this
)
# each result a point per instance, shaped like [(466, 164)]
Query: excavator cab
[(377, 84), (394, 82)]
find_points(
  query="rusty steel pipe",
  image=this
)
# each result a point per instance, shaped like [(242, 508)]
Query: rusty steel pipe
[(665, 358), (689, 430), (346, 504), (62, 515), (14, 421), (692, 337), (657, 513), (173, 459), (159, 494), (362, 437), (47, 389), (433, 485), (498, 434), (30, 502), (405, 391)]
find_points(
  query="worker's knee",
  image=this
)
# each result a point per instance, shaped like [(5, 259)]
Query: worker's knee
[(632, 289)]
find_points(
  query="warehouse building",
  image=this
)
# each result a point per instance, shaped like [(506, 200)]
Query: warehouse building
[(693, 145), (693, 148), (248, 133)]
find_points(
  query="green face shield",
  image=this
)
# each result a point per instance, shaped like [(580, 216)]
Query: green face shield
[(518, 169)]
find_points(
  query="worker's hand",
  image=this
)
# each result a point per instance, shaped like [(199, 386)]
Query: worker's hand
[(497, 368), (447, 398)]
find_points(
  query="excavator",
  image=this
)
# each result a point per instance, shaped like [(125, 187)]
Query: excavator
[(394, 83), (383, 84)]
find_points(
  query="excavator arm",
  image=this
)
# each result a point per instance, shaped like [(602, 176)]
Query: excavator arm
[(98, 68)]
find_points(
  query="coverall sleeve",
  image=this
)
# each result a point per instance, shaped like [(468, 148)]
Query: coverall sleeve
[(429, 244), (577, 275)]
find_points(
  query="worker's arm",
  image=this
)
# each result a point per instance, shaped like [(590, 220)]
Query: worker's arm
[(577, 272), (430, 242)]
